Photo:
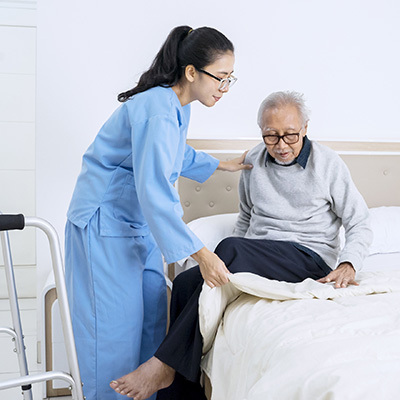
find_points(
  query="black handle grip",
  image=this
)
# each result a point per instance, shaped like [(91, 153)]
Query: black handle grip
[(10, 222)]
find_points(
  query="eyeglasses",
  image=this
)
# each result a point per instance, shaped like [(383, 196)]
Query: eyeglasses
[(224, 83), (288, 138)]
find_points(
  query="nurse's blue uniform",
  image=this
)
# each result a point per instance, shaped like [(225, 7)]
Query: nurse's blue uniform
[(125, 213)]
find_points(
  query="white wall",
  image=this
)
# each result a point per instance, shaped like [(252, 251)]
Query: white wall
[(342, 54), (17, 135)]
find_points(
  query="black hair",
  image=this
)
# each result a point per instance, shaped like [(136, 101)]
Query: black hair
[(183, 46)]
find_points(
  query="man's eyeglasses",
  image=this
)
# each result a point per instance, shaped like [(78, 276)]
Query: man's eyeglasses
[(224, 83), (288, 138)]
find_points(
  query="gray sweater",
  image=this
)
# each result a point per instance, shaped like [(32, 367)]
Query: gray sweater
[(305, 205)]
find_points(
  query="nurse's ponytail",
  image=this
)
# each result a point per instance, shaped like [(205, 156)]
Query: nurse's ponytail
[(184, 46)]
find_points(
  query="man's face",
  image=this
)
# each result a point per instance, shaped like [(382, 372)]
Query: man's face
[(282, 121)]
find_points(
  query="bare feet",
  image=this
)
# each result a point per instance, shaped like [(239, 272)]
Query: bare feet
[(150, 377)]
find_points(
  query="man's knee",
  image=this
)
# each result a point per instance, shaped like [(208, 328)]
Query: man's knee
[(227, 246)]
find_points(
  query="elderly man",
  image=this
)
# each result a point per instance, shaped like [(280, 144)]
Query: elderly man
[(292, 204), (302, 192)]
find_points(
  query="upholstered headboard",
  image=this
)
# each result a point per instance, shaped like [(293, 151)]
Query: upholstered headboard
[(375, 168)]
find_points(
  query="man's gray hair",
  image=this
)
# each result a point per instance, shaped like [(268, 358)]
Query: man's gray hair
[(281, 99)]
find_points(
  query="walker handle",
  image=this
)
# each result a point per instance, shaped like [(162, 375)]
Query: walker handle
[(9, 222)]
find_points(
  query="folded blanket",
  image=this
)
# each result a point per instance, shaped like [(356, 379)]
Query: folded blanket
[(213, 301)]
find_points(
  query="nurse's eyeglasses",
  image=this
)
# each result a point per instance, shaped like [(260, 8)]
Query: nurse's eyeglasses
[(224, 83)]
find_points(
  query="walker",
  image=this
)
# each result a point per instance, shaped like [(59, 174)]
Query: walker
[(12, 222)]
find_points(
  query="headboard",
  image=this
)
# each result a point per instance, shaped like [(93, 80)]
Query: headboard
[(374, 166)]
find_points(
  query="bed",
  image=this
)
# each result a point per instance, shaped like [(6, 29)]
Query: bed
[(266, 339)]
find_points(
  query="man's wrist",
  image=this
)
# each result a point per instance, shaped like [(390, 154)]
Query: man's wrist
[(345, 264)]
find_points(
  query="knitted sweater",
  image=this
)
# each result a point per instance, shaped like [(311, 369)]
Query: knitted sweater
[(305, 205)]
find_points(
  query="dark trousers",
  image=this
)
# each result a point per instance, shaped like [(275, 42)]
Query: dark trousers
[(182, 347)]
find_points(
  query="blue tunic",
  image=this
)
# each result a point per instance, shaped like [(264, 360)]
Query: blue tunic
[(129, 170), (123, 214)]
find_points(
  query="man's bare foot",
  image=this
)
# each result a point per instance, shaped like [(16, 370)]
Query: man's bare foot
[(150, 377)]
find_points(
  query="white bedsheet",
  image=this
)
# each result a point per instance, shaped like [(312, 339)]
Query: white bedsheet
[(304, 341)]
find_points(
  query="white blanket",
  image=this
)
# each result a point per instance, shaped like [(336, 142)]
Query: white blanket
[(304, 341)]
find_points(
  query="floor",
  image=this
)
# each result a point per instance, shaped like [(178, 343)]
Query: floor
[(8, 359)]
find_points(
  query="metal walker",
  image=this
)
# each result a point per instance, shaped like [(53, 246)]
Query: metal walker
[(12, 222)]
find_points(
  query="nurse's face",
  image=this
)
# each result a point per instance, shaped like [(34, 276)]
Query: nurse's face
[(207, 87)]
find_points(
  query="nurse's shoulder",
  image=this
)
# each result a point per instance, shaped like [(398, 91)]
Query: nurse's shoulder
[(157, 101)]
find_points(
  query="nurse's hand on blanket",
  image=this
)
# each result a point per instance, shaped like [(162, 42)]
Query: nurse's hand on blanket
[(236, 164), (212, 268), (343, 275)]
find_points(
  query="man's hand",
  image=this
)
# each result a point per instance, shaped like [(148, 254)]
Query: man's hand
[(235, 164), (343, 275), (212, 268)]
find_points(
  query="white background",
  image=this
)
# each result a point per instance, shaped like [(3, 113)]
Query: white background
[(343, 55)]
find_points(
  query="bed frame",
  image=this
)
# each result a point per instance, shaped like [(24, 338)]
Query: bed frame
[(375, 168)]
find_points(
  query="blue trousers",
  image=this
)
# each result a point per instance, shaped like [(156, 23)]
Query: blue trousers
[(182, 347), (117, 295)]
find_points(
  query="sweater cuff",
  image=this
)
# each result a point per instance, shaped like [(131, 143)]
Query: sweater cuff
[(355, 261)]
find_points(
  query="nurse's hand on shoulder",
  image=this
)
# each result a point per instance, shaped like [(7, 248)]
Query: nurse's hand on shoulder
[(212, 268), (235, 164)]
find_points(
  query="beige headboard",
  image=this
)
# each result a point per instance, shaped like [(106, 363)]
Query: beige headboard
[(375, 168)]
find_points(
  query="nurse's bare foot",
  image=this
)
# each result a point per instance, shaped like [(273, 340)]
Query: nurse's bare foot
[(150, 377)]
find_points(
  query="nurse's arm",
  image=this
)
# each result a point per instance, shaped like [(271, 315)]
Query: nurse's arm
[(155, 149), (236, 164), (212, 268)]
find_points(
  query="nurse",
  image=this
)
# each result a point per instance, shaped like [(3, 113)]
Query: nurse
[(125, 212)]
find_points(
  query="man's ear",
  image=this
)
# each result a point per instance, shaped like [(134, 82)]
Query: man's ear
[(190, 72), (305, 129)]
